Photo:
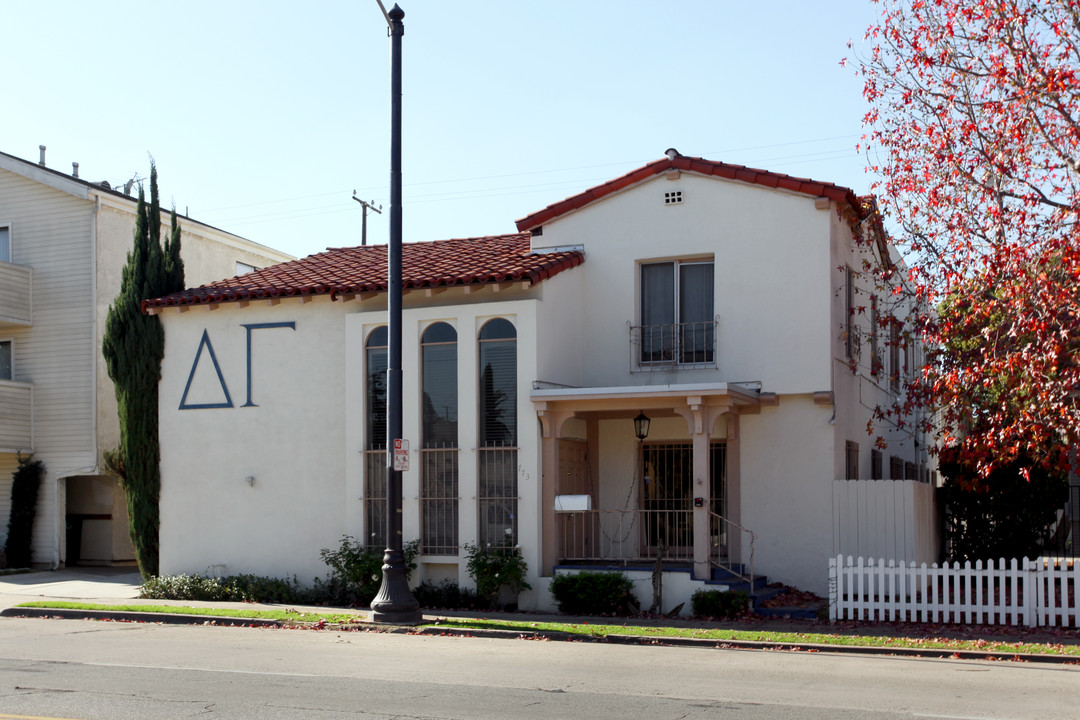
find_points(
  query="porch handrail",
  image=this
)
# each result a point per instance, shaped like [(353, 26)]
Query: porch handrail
[(629, 535), (714, 521)]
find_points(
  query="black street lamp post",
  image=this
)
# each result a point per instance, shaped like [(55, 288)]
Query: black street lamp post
[(395, 603)]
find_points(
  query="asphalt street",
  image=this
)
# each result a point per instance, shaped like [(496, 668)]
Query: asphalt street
[(92, 669)]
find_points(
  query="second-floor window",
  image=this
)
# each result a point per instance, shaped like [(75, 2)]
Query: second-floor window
[(6, 361), (5, 243), (677, 321)]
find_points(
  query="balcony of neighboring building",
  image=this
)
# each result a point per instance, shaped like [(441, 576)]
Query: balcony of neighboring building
[(14, 294), (16, 416)]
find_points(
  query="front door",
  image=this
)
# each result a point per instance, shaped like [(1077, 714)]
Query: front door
[(667, 499)]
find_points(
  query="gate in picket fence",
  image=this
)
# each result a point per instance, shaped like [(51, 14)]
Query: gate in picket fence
[(1040, 592)]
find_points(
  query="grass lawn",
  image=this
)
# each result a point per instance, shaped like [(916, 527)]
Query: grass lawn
[(772, 636)]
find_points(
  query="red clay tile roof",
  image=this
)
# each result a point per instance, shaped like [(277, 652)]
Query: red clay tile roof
[(354, 270), (697, 165)]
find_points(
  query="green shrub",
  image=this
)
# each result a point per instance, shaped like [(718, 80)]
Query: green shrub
[(354, 581), (357, 571), (235, 588), (595, 593), (720, 604), (448, 595), (24, 494), (496, 568)]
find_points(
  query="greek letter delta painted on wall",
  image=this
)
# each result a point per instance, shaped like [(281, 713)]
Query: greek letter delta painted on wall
[(207, 347)]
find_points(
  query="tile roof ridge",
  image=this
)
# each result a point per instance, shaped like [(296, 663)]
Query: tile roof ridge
[(688, 163), (361, 269)]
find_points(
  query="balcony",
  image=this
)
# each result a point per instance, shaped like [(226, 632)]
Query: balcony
[(14, 294), (671, 346), (16, 416)]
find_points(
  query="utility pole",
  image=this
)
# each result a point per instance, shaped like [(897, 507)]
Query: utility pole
[(367, 206), (395, 603)]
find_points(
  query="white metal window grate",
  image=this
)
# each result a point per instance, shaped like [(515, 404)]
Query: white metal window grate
[(673, 197), (497, 496), (439, 501), (375, 500)]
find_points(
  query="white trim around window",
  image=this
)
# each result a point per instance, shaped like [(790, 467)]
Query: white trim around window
[(5, 242), (7, 358)]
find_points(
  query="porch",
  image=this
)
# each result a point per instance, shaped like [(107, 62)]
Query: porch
[(649, 539), (641, 475)]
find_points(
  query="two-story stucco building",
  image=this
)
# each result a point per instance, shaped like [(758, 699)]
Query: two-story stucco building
[(717, 302), (63, 245)]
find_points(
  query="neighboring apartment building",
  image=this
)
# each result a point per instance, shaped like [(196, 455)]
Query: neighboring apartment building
[(63, 244), (711, 300)]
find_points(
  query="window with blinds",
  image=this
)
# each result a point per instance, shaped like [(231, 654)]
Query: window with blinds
[(497, 491), (439, 453), (375, 494)]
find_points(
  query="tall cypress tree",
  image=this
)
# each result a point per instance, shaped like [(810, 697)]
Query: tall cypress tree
[(133, 346)]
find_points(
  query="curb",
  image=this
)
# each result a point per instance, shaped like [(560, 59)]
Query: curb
[(550, 635), (142, 617), (756, 645)]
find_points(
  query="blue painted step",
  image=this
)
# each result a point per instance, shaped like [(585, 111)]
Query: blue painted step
[(731, 578)]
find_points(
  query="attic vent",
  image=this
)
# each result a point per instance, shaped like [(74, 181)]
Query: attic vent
[(673, 198)]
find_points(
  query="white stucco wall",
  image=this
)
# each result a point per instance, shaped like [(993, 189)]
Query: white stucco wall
[(291, 443), (771, 255), (303, 443), (859, 393), (786, 489)]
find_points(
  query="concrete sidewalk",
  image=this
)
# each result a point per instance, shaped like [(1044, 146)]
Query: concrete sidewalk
[(105, 584)]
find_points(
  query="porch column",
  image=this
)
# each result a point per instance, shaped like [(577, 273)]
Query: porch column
[(702, 499), (551, 423), (700, 418), (734, 489)]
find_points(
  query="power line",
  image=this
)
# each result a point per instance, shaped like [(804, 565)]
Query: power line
[(633, 163)]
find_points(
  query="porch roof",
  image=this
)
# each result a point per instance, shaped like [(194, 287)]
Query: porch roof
[(645, 397)]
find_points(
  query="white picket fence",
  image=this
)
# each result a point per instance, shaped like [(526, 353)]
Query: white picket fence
[(1041, 592)]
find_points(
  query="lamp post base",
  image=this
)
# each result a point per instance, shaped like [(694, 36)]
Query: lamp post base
[(395, 604)]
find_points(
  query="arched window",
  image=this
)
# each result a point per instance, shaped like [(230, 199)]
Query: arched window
[(439, 471), (375, 361), (498, 384), (497, 487)]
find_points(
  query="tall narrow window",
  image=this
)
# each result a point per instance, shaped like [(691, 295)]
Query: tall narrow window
[(894, 355), (851, 336), (375, 497), (497, 491), (677, 321), (439, 481), (875, 357), (5, 243), (6, 361), (851, 460)]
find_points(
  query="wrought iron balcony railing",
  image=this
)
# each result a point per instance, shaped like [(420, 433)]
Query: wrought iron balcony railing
[(673, 345)]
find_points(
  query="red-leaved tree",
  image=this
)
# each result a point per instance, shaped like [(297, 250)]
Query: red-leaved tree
[(974, 130)]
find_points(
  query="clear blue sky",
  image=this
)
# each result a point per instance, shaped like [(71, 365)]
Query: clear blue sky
[(263, 117)]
